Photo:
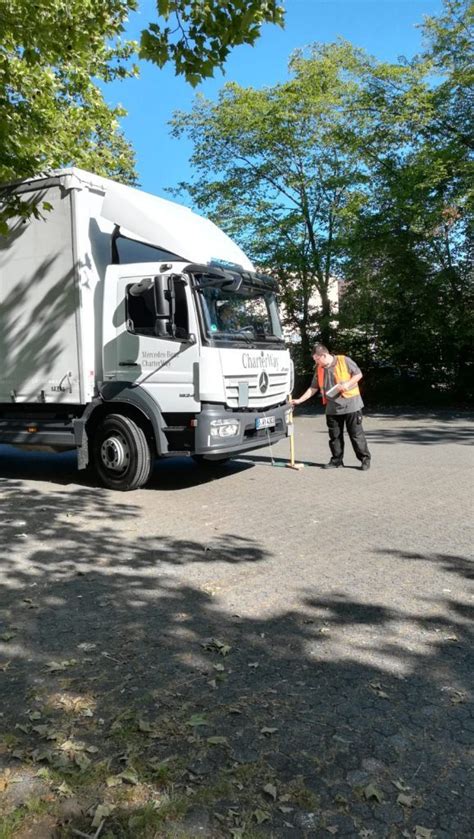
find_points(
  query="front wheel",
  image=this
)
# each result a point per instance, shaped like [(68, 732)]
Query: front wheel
[(122, 456)]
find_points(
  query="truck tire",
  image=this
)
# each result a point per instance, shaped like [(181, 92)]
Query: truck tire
[(122, 456)]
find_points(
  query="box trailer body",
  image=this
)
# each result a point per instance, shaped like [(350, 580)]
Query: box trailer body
[(132, 328)]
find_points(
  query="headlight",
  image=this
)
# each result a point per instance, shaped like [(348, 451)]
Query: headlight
[(292, 375), (225, 427)]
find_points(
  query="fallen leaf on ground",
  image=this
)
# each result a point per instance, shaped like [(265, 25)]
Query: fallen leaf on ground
[(261, 816), (63, 789), (214, 645), (270, 790), (197, 720), (422, 832), (57, 666), (129, 775), (405, 800), (101, 813), (378, 689), (82, 761), (401, 785), (218, 741), (373, 792)]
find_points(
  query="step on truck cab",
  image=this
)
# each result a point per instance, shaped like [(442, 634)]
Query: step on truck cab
[(132, 328)]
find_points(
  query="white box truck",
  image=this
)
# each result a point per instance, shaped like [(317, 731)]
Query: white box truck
[(132, 328)]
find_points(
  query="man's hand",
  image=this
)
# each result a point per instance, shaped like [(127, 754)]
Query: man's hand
[(294, 402)]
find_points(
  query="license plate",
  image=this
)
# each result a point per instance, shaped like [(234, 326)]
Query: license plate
[(265, 422)]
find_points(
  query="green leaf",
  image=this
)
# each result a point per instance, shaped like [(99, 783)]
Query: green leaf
[(197, 720), (371, 792), (422, 832), (102, 811), (261, 816), (405, 800), (271, 790), (129, 775), (82, 761)]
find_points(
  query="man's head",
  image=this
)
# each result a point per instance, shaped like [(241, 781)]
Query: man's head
[(322, 356)]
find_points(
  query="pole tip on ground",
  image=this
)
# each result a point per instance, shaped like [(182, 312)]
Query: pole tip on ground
[(296, 466)]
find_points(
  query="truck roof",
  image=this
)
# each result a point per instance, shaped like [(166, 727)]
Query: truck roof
[(148, 218)]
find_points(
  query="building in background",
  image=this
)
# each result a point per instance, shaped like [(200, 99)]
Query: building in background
[(335, 292)]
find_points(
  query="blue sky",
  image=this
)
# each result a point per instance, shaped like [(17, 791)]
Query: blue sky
[(385, 28)]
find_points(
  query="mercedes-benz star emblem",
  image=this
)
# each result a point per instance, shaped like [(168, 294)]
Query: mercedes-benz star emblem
[(263, 382)]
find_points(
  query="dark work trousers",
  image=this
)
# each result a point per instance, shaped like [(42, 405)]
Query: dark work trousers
[(353, 423)]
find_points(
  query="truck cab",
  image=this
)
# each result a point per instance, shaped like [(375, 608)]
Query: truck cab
[(172, 345)]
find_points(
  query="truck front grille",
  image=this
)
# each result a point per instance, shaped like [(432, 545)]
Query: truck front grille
[(275, 393)]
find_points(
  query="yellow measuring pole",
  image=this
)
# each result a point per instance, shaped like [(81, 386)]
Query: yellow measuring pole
[(291, 432)]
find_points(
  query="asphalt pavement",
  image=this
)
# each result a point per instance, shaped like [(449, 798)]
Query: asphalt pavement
[(344, 598)]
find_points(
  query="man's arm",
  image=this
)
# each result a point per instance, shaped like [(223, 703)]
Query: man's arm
[(350, 383), (306, 395)]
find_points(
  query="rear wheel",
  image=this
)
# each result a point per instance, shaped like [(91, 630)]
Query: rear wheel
[(122, 456)]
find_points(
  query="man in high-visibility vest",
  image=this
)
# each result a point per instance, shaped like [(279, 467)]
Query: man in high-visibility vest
[(337, 377)]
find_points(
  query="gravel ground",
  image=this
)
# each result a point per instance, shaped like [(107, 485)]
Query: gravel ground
[(302, 636)]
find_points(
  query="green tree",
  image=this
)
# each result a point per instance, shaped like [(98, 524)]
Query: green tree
[(55, 55), (274, 169), (52, 112), (409, 251), (197, 35)]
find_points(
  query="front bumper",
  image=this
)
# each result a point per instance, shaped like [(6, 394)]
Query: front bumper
[(247, 438)]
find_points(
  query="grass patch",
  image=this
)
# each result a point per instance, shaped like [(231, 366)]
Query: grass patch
[(10, 824), (301, 795)]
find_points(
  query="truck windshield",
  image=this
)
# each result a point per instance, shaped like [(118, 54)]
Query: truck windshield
[(248, 314)]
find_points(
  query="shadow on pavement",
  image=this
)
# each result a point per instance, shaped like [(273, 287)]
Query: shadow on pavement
[(421, 435), (461, 566), (133, 689), (172, 473)]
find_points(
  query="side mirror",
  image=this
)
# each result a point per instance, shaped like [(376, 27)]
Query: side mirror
[(178, 324)]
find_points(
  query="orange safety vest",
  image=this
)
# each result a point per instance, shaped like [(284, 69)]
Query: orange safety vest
[(341, 374)]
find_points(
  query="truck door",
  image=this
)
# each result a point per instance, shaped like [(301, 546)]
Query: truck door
[(150, 331)]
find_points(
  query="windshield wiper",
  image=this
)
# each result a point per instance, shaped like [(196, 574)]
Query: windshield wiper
[(235, 333), (244, 331)]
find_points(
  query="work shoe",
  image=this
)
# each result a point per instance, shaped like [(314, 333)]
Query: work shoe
[(333, 464), (365, 464)]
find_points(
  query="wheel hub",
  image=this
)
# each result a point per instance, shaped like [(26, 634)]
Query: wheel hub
[(115, 453)]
